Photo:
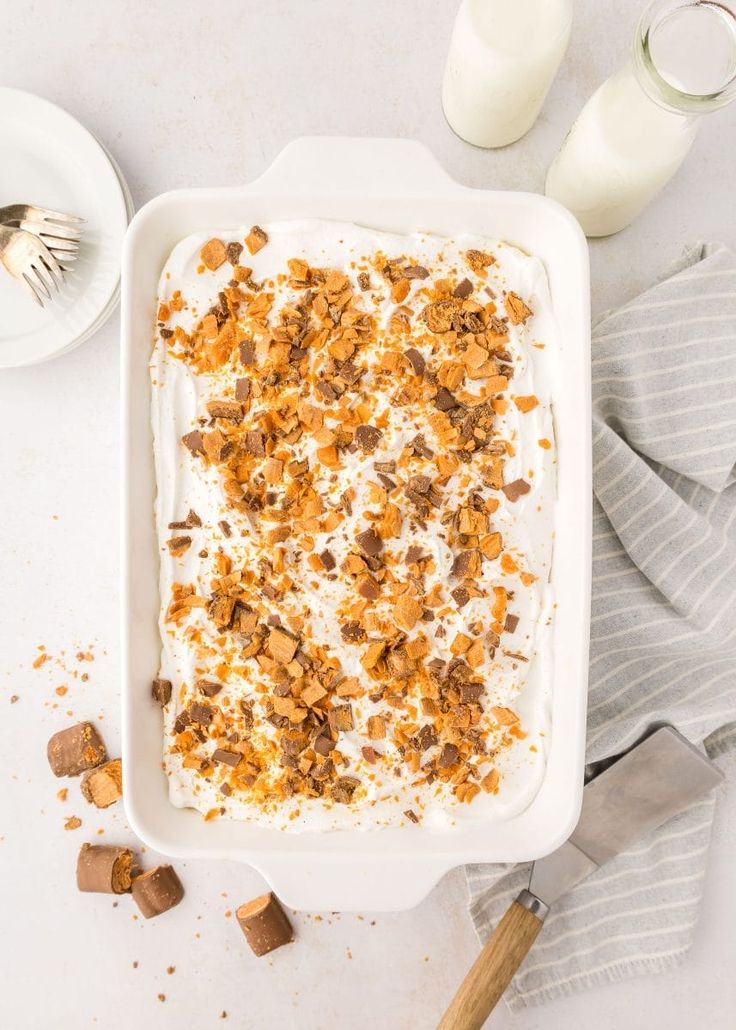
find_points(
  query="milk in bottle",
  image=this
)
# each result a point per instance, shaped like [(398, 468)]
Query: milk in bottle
[(503, 57)]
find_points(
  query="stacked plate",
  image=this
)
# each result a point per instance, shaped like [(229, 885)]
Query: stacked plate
[(50, 160)]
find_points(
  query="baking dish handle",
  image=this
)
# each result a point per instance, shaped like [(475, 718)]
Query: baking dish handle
[(338, 165), (340, 883)]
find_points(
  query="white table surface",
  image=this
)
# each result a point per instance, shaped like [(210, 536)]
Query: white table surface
[(189, 94)]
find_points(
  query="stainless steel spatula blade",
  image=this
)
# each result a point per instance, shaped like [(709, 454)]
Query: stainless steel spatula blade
[(634, 795), (641, 790)]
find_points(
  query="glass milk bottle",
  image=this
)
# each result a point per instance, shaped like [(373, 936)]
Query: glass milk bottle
[(503, 57), (636, 129)]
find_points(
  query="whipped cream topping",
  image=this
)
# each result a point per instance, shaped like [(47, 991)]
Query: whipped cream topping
[(389, 779)]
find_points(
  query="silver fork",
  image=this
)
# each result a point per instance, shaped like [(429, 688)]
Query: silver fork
[(27, 258), (58, 231)]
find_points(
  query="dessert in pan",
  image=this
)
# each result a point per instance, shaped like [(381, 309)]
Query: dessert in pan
[(355, 462)]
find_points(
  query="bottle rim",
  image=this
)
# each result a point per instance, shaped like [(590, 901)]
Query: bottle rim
[(654, 83)]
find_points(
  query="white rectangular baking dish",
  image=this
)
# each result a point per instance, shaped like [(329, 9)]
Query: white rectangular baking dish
[(394, 185)]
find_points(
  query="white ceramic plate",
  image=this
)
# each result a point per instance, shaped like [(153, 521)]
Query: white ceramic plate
[(395, 185), (50, 160)]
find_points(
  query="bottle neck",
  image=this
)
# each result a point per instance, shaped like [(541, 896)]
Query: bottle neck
[(673, 42)]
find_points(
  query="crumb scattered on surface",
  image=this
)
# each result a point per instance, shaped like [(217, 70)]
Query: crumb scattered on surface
[(72, 823)]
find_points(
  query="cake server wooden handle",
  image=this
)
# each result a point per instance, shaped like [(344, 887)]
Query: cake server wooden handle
[(494, 968)]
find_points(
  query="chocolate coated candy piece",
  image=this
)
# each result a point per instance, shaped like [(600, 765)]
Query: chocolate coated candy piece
[(193, 442), (161, 691), (368, 437), (416, 361), (369, 542), (104, 869), (265, 924), (73, 751), (157, 891), (516, 489), (103, 786)]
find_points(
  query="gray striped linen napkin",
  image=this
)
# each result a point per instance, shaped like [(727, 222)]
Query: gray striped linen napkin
[(663, 625)]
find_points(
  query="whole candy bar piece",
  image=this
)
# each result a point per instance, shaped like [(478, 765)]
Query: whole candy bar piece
[(265, 924), (73, 751), (103, 786), (104, 869), (157, 891)]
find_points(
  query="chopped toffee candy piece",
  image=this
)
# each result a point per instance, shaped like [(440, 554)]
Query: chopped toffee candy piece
[(256, 239), (463, 289), (193, 441), (210, 688), (415, 272), (157, 891), (264, 924), (439, 315), (364, 281), (525, 404), (478, 261), (161, 691), (242, 389), (225, 757), (247, 352), (76, 749), (340, 718), (512, 621), (282, 646), (352, 632), (254, 443), (233, 251), (230, 410), (104, 869), (343, 789), (466, 564), (376, 727), (201, 714), (368, 438), (328, 560), (448, 756), (516, 309), (103, 786), (179, 545), (516, 489), (411, 816), (444, 400), (367, 587), (369, 542), (213, 254), (415, 359)]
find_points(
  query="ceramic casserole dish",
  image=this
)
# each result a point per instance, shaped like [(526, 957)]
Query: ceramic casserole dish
[(393, 185)]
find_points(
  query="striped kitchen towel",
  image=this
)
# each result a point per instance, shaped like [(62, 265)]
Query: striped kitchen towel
[(663, 626)]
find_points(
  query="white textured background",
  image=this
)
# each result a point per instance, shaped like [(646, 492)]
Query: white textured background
[(189, 94)]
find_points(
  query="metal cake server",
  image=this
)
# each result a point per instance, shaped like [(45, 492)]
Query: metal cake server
[(648, 785)]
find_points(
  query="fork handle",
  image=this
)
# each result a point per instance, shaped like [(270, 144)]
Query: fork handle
[(494, 969)]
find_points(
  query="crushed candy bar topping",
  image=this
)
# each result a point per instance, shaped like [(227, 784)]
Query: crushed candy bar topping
[(355, 605)]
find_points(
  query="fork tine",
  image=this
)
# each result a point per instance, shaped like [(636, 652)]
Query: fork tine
[(43, 229), (32, 289), (63, 246), (46, 230), (55, 216), (63, 255), (55, 276), (40, 281), (49, 259)]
